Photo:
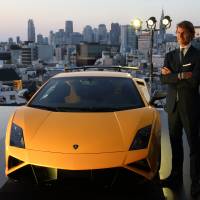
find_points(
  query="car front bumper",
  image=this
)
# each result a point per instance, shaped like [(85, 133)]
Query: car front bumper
[(47, 165)]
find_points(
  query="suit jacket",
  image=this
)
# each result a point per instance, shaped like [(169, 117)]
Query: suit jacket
[(187, 90)]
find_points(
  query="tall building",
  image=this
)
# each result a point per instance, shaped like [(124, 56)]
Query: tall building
[(103, 39), (10, 40), (18, 41), (129, 40), (31, 31), (68, 28), (124, 44), (76, 38), (144, 42), (51, 38), (46, 40), (40, 39), (132, 40), (59, 38), (115, 34), (96, 35), (162, 31), (88, 35)]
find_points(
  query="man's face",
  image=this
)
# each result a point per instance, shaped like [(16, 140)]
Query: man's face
[(183, 36)]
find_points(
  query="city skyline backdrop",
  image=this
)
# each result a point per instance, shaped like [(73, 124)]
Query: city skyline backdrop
[(52, 14)]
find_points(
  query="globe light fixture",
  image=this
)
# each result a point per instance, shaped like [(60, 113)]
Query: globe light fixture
[(167, 22), (151, 23), (136, 23)]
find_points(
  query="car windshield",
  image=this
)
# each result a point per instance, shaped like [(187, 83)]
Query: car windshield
[(89, 94)]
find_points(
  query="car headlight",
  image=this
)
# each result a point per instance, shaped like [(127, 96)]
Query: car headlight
[(16, 137), (141, 139)]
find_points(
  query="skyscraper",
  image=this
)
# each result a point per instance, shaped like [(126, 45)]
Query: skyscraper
[(88, 35), (132, 40), (10, 40), (40, 39), (96, 35), (68, 28), (103, 34), (31, 31), (18, 40), (129, 40), (124, 39), (162, 31), (115, 34), (59, 37), (51, 38)]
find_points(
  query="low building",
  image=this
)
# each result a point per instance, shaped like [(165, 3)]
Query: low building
[(88, 53), (45, 52)]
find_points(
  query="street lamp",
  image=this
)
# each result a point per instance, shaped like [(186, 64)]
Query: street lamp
[(151, 27), (151, 23), (167, 21), (136, 23)]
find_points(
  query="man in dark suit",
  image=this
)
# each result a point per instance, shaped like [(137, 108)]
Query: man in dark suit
[(181, 72)]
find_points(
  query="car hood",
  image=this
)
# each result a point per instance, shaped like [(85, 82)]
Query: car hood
[(75, 132)]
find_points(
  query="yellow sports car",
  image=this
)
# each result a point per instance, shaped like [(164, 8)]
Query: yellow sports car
[(87, 121)]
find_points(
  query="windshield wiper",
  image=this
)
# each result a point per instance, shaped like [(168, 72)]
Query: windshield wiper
[(90, 109), (82, 109)]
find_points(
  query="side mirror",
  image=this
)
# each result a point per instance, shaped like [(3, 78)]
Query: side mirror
[(158, 95)]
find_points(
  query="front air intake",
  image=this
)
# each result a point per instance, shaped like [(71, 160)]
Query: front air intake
[(141, 164), (13, 162)]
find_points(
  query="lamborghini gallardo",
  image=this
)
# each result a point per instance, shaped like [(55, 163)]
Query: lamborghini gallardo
[(84, 122)]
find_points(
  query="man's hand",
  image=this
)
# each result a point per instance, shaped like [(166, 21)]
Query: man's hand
[(165, 71)]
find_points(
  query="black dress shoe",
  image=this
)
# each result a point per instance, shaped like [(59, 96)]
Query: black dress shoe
[(173, 182), (195, 189)]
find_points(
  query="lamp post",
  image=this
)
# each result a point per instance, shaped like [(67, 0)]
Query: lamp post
[(151, 27)]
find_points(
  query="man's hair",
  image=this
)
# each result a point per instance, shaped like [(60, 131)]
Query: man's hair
[(187, 26)]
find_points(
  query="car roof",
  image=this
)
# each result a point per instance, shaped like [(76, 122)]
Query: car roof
[(94, 73)]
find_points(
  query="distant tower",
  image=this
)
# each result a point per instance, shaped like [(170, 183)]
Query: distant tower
[(96, 35), (124, 39), (162, 29), (68, 28), (10, 40), (129, 40), (132, 40), (40, 39), (88, 35), (115, 34), (102, 30), (51, 38), (18, 40), (31, 31)]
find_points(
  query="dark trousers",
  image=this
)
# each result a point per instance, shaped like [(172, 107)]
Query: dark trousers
[(188, 120)]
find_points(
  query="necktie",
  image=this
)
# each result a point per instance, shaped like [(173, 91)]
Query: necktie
[(181, 54), (179, 69)]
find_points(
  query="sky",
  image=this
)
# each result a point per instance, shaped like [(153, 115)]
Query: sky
[(52, 14)]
